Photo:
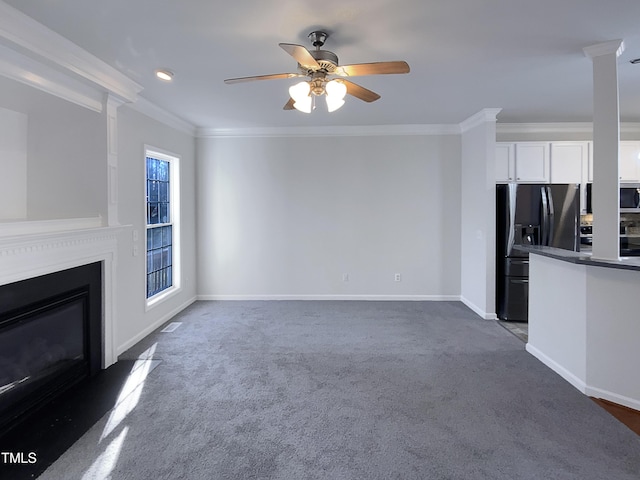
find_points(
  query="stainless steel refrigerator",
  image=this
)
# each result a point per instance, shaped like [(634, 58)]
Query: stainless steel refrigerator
[(530, 215)]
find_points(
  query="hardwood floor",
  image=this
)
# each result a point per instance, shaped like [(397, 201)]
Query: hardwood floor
[(628, 416)]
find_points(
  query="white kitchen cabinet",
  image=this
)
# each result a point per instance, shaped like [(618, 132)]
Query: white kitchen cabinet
[(532, 162), (629, 164), (526, 162), (505, 162), (569, 162)]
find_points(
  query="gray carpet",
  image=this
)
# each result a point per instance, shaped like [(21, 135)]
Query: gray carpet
[(347, 390)]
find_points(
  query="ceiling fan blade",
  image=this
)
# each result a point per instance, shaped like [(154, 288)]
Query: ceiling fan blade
[(360, 92), (262, 77), (289, 105), (377, 68), (300, 54)]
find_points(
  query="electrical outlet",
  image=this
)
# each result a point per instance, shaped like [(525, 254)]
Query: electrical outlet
[(397, 277), (134, 235), (135, 250), (345, 277)]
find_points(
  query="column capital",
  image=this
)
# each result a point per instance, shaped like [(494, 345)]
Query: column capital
[(606, 48), (115, 101)]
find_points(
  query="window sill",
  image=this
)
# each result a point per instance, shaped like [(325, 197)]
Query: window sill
[(159, 298)]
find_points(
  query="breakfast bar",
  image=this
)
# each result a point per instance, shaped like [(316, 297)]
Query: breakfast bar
[(584, 322)]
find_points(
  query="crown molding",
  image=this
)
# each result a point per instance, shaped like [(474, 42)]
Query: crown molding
[(25, 70), (630, 127), (150, 109), (560, 127), (483, 116), (39, 41), (330, 131)]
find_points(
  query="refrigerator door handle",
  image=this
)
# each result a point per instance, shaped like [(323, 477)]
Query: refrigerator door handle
[(544, 240), (551, 219), (511, 218)]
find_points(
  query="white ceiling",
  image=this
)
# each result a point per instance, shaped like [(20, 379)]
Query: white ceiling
[(523, 56)]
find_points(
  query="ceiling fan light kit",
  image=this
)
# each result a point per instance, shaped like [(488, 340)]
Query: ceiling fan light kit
[(320, 65), (304, 93)]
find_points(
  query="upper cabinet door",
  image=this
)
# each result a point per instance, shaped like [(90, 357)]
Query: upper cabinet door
[(532, 162), (628, 168), (569, 162), (504, 162)]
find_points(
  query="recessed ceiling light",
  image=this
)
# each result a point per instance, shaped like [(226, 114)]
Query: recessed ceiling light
[(165, 75)]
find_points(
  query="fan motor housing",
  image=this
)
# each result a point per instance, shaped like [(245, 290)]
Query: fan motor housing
[(328, 60)]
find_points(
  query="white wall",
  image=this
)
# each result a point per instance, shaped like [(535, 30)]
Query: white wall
[(613, 330), (66, 147), (13, 164), (136, 130), (558, 317), (478, 219), (288, 216)]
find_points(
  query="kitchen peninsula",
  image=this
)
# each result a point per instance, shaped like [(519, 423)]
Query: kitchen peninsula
[(584, 322)]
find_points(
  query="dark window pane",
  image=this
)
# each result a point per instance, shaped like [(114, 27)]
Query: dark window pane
[(164, 213), (157, 259), (163, 192), (166, 235), (157, 238), (153, 188), (149, 239), (154, 213), (163, 171), (166, 256), (152, 169)]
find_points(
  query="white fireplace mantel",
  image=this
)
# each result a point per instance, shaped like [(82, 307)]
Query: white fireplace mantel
[(32, 248)]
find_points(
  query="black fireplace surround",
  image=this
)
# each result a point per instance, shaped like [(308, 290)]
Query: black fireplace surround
[(50, 338)]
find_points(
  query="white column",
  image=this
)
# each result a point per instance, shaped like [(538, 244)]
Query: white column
[(111, 108), (606, 141), (478, 223)]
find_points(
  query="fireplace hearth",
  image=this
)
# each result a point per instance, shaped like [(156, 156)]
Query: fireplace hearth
[(50, 338)]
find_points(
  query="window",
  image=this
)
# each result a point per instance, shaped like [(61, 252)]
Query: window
[(162, 199)]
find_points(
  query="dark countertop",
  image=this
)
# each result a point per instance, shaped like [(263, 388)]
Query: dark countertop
[(581, 258)]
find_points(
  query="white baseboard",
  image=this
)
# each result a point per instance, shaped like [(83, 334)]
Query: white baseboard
[(401, 298), (559, 369), (131, 342), (588, 390), (613, 397), (478, 310)]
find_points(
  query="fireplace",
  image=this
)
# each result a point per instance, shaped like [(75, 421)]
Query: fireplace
[(50, 337)]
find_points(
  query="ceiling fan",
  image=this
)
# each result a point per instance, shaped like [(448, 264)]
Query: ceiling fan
[(322, 68)]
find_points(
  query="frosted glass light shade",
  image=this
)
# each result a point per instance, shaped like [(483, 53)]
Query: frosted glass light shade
[(336, 89), (305, 105), (299, 91), (335, 92), (300, 94), (334, 104)]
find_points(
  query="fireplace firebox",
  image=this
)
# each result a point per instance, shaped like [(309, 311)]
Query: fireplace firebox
[(50, 338)]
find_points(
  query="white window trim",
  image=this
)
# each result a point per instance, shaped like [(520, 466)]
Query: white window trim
[(174, 182)]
